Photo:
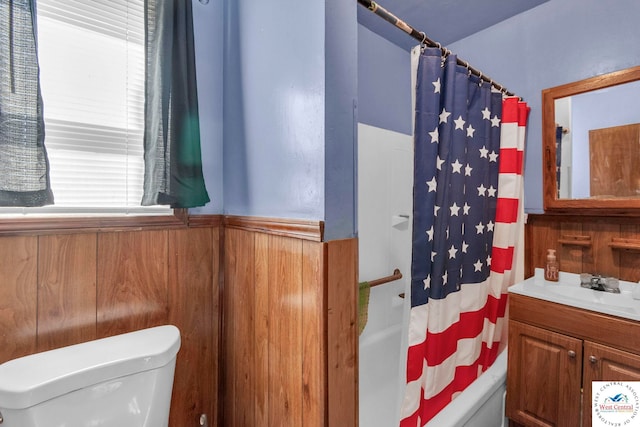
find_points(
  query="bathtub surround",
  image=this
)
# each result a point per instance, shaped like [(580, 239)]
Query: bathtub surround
[(385, 166)]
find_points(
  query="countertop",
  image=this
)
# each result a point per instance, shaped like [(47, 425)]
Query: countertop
[(567, 291)]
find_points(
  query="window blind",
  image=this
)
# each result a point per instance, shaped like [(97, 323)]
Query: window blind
[(91, 56)]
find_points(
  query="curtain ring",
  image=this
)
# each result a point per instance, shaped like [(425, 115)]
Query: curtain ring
[(423, 45)]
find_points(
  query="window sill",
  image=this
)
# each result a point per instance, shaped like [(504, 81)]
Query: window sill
[(58, 225)]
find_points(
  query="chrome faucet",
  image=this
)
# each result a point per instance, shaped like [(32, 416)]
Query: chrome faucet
[(599, 283)]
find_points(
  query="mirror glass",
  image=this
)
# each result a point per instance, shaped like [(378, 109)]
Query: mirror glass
[(598, 145), (591, 144)]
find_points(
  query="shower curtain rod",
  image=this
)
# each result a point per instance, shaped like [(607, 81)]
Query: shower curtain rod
[(423, 39)]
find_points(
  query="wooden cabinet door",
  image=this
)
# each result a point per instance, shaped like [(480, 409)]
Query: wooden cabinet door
[(602, 363), (543, 377)]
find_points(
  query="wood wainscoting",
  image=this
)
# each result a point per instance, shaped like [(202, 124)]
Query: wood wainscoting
[(607, 245), (289, 326), (63, 289), (289, 353)]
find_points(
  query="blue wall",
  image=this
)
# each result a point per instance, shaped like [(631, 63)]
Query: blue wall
[(341, 156), (555, 43), (384, 83), (278, 126), (289, 96), (208, 27)]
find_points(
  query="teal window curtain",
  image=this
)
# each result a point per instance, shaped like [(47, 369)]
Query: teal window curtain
[(24, 166), (173, 161)]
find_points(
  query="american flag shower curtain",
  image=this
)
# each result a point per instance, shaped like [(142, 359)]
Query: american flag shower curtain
[(469, 145)]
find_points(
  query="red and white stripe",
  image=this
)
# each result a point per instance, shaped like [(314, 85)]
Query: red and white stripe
[(459, 337)]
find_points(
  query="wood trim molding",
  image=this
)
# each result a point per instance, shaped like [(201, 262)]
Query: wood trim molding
[(65, 225), (296, 228), (205, 221)]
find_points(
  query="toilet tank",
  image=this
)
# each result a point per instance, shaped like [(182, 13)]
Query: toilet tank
[(124, 380)]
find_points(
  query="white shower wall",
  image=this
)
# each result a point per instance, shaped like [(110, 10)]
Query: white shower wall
[(385, 188)]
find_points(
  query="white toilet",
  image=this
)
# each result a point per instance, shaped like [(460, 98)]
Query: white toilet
[(120, 381)]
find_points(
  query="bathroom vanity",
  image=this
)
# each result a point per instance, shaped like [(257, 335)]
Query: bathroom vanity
[(561, 338)]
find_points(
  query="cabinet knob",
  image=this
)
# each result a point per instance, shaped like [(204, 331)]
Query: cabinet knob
[(593, 359), (572, 354)]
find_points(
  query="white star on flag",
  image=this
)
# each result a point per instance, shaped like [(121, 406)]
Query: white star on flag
[(484, 152), (433, 184), (495, 122), (436, 86), (435, 136), (444, 116), (457, 166), (452, 252), (427, 282), (430, 234), (459, 123), (470, 131)]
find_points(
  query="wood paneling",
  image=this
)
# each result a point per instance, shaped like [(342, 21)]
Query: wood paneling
[(244, 381), (132, 278), (585, 244), (193, 308), (314, 364), (285, 352), (289, 330), (262, 325), (66, 290), (18, 296), (285, 332), (342, 264), (61, 289)]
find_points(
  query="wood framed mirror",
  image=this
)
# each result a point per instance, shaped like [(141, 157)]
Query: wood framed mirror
[(591, 145)]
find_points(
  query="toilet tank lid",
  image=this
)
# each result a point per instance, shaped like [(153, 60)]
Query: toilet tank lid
[(36, 378)]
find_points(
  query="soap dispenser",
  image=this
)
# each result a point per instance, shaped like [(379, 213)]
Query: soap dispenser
[(551, 268)]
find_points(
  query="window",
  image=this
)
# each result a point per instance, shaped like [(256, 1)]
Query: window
[(92, 65)]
